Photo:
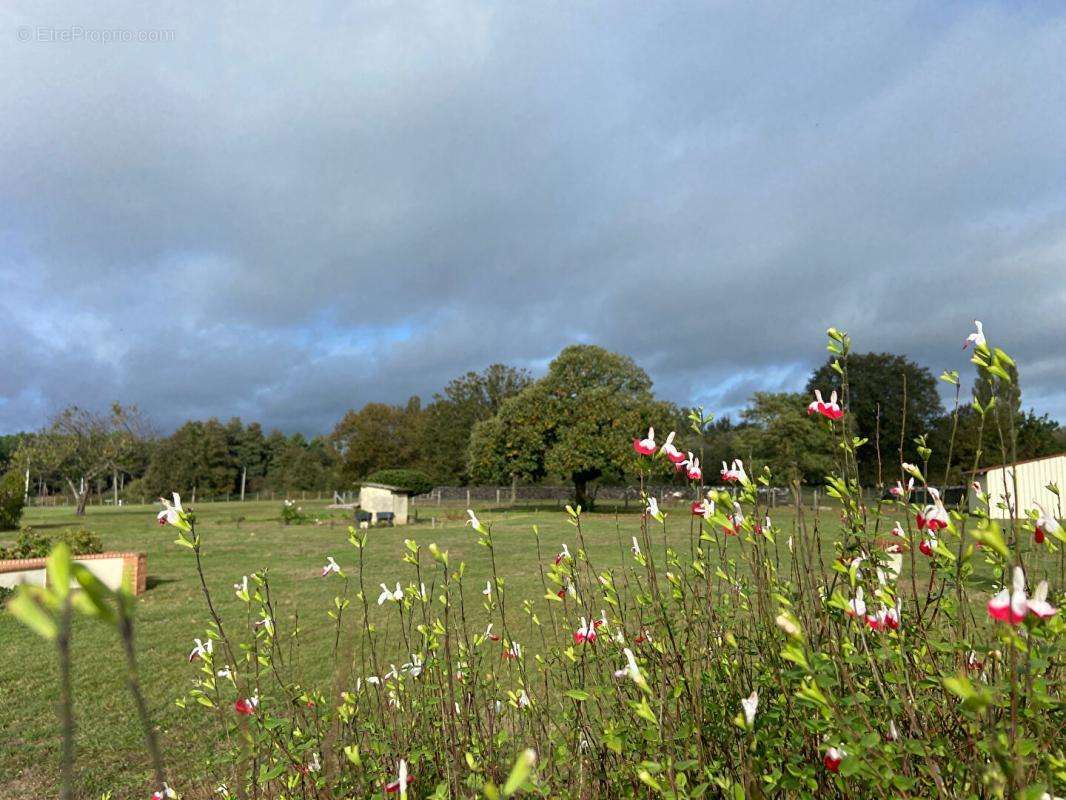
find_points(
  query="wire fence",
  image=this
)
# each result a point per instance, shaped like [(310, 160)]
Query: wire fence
[(469, 496)]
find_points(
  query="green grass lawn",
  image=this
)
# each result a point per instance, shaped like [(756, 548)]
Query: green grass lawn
[(239, 539)]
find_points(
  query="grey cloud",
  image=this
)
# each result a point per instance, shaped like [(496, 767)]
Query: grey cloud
[(285, 215)]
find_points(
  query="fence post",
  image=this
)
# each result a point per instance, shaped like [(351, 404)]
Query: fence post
[(497, 496), (468, 497)]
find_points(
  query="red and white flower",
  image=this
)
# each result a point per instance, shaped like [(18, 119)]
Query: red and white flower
[(694, 473), (646, 447), (703, 508), (331, 566), (934, 516), (899, 490), (833, 757), (403, 780), (734, 473), (736, 520), (897, 530), (586, 633), (563, 555), (166, 793), (928, 545), (1045, 524), (246, 706), (1012, 606), (669, 449), (830, 410), (885, 618)]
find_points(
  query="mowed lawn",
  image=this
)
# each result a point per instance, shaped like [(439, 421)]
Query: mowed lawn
[(239, 539)]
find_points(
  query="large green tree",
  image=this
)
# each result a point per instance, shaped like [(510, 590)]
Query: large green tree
[(195, 460), (450, 418), (578, 422), (302, 464), (378, 436), (877, 386)]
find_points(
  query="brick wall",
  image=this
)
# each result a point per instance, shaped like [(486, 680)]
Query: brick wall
[(134, 566)]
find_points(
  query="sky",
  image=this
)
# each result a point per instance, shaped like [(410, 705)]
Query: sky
[(282, 212)]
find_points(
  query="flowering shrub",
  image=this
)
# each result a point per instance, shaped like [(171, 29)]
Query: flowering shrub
[(920, 654), (292, 514)]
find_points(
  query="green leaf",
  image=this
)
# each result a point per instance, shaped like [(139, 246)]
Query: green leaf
[(26, 609), (58, 568), (644, 711), (988, 533), (93, 600), (578, 694), (520, 772)]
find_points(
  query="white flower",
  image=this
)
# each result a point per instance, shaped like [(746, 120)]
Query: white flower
[(173, 513), (786, 622), (750, 704), (414, 666), (331, 566), (487, 591), (653, 509), (201, 649), (225, 672), (631, 669), (636, 547), (386, 594), (857, 605)]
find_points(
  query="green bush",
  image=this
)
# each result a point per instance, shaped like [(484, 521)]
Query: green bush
[(31, 544), (410, 479), (82, 541), (12, 500)]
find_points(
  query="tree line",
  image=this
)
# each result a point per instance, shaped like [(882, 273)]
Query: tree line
[(576, 424)]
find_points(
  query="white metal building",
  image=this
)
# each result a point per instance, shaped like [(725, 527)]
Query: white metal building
[(1033, 477)]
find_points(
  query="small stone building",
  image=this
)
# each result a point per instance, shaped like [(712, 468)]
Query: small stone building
[(380, 498)]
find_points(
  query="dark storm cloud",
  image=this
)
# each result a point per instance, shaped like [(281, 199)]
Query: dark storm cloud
[(283, 215)]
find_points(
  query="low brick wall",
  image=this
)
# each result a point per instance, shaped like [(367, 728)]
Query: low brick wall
[(111, 568)]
